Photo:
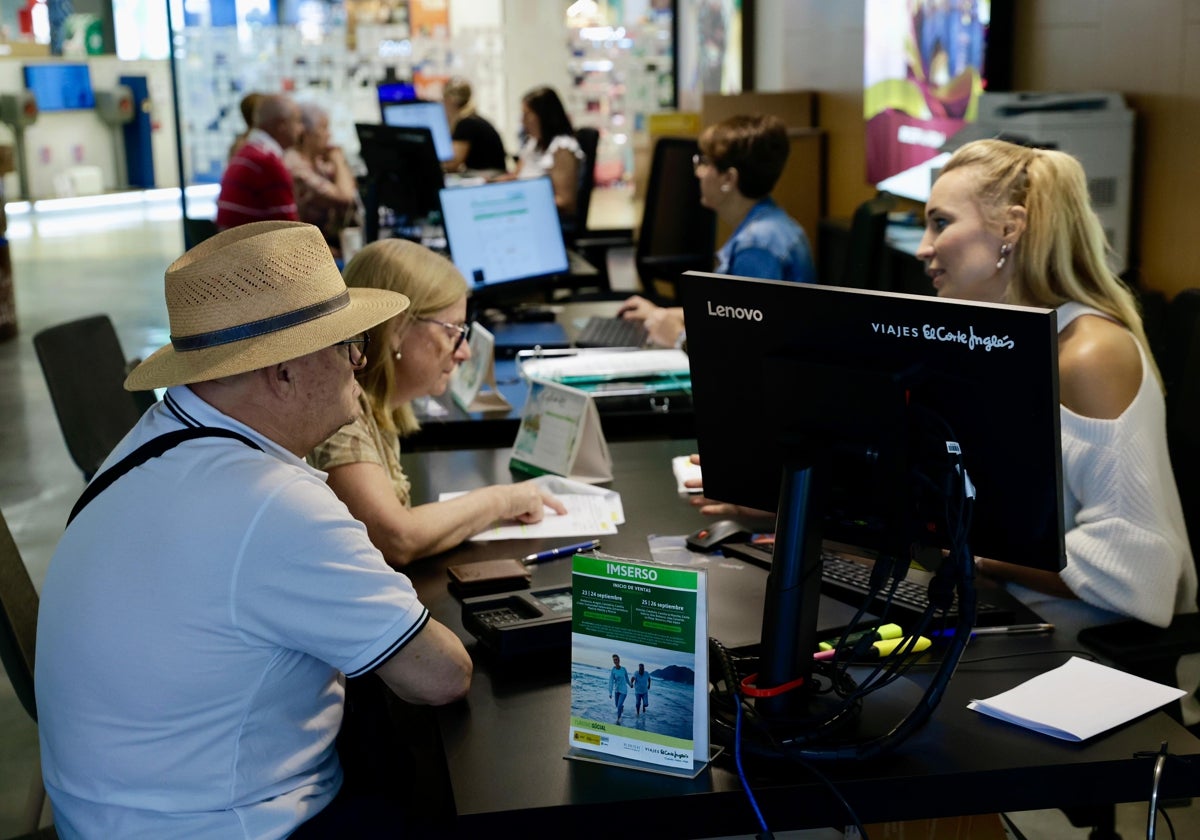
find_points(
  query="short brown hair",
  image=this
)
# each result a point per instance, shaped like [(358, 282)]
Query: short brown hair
[(756, 145)]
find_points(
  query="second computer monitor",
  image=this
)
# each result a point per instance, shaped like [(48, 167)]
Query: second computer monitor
[(418, 114), (505, 237)]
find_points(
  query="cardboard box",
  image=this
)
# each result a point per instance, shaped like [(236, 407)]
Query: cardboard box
[(976, 827), (7, 160)]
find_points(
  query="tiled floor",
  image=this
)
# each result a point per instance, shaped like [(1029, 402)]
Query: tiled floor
[(67, 265)]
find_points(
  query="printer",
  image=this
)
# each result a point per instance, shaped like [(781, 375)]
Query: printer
[(1095, 126)]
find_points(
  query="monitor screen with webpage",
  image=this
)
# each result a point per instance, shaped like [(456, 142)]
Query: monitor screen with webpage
[(878, 400), (431, 115), (505, 237)]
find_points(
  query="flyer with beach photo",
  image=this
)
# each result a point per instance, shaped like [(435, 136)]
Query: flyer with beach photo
[(639, 665)]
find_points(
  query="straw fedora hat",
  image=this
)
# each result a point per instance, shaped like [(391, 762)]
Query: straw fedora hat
[(254, 296)]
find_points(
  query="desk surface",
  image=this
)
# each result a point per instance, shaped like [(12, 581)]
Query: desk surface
[(505, 744), (447, 426)]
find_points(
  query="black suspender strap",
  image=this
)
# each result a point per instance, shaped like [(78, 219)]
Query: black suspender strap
[(149, 449)]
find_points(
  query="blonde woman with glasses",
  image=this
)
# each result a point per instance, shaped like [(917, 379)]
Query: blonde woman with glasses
[(412, 355)]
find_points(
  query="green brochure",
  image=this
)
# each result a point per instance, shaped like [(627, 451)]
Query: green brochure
[(639, 665)]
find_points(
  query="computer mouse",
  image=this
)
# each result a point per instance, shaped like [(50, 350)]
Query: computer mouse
[(715, 534)]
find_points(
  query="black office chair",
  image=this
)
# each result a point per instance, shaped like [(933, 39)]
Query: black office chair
[(866, 245), (589, 141), (1182, 377), (196, 231), (18, 631), (85, 371), (678, 233)]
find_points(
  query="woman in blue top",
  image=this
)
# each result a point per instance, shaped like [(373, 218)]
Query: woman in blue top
[(740, 161)]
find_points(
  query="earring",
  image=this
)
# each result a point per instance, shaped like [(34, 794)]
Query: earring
[(397, 355), (1005, 250), (724, 188)]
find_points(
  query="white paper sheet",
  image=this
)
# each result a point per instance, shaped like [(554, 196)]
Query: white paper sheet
[(591, 511), (1077, 700)]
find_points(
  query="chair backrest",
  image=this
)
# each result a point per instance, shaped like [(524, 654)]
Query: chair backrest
[(1182, 375), (863, 268), (589, 141), (196, 231), (85, 372), (677, 233), (18, 620)]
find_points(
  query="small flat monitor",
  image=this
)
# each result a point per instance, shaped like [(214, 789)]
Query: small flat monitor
[(505, 237), (431, 115), (395, 92), (403, 174), (60, 87), (875, 399)]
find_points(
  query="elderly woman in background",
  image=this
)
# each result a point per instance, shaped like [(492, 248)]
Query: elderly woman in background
[(411, 356), (326, 190)]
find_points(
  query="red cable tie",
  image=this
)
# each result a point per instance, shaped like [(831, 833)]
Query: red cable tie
[(751, 690)]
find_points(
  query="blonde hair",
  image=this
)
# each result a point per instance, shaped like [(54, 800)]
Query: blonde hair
[(431, 283), (1062, 254)]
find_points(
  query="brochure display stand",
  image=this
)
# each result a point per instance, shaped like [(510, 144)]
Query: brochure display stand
[(560, 433), (473, 383), (639, 666)]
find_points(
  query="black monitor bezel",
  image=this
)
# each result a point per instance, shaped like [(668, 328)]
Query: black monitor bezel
[(740, 465), (422, 180)]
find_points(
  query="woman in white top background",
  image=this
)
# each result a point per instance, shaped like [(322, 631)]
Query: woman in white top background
[(1009, 224), (550, 147)]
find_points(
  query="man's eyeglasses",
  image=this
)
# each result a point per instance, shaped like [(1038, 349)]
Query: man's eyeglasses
[(461, 331), (356, 349)]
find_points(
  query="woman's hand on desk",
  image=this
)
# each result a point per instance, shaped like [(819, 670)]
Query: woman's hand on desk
[(527, 502), (710, 507), (664, 324)]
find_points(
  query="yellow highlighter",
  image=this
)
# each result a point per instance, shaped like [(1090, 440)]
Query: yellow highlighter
[(886, 647), (880, 633)]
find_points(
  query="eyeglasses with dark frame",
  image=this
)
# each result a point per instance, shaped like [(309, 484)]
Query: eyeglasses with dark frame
[(463, 331), (702, 160), (356, 349)]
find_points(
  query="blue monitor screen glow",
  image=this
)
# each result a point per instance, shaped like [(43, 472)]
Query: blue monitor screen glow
[(504, 234), (395, 92), (60, 87), (431, 115)]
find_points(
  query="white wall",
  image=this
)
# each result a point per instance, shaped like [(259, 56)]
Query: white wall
[(64, 139)]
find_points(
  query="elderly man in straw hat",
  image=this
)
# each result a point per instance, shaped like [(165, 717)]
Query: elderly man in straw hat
[(210, 589)]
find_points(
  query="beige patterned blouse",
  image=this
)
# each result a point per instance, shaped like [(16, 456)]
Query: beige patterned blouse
[(364, 442)]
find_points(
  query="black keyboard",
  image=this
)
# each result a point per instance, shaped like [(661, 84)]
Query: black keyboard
[(611, 332), (848, 580)]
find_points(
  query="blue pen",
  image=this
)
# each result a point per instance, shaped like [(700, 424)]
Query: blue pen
[(561, 551)]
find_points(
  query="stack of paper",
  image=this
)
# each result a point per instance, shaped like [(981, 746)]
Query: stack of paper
[(1077, 700)]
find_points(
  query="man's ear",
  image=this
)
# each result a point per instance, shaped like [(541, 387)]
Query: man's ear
[(280, 378)]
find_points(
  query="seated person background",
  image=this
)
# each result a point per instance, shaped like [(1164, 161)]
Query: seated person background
[(550, 148), (740, 161), (325, 187), (256, 186), (414, 355), (477, 144), (1008, 224), (246, 106), (200, 612)]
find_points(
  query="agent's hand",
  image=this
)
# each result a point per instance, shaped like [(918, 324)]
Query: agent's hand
[(637, 308), (711, 507), (665, 325), (527, 502)]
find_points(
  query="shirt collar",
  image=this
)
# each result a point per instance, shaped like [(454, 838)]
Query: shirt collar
[(185, 407), (265, 141)]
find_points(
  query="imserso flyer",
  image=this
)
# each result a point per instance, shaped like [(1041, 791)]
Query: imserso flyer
[(639, 662)]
